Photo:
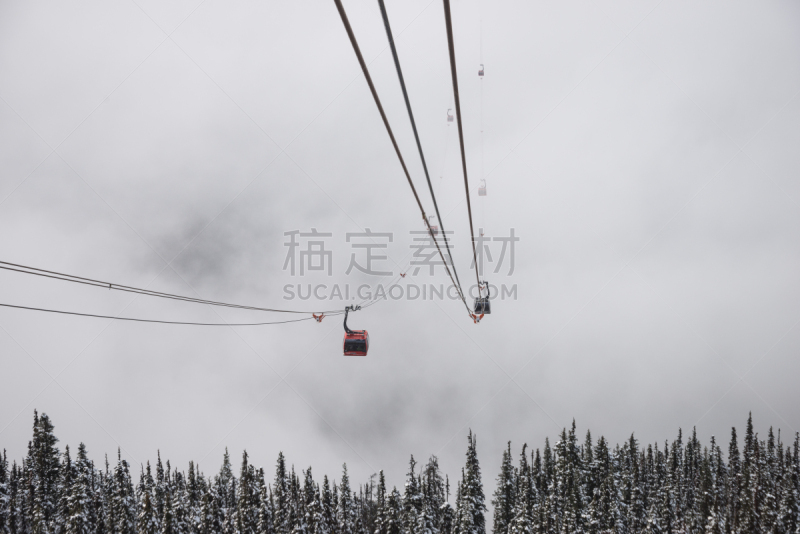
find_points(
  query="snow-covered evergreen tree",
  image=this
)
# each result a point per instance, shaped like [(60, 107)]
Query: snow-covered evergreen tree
[(434, 491), (412, 499), (733, 484), (281, 494), (247, 499), (65, 477), (326, 517), (570, 489), (123, 504), (211, 515), (307, 514), (394, 512), (381, 518), (5, 497), (471, 505), (15, 518), (523, 520), (345, 511), (788, 520), (168, 520), (146, 522), (44, 473), (636, 507), (79, 500), (504, 500), (716, 513)]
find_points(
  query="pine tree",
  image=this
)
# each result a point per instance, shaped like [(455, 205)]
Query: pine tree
[(716, 518), (14, 521), (788, 520), (106, 497), (281, 498), (146, 522), (568, 499), (177, 491), (5, 498), (167, 521), (66, 474), (211, 515), (307, 505), (618, 506), (505, 494), (770, 484), (427, 519), (246, 512), (522, 521), (79, 500), (637, 513), (412, 500), (265, 519), (43, 466), (434, 490), (394, 513), (325, 522), (381, 521), (295, 504), (345, 513), (733, 484), (193, 498), (750, 493), (587, 476), (158, 488), (122, 501), (472, 503), (548, 466)]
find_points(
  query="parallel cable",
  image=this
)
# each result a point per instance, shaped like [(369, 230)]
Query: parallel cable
[(130, 289), (365, 70), (482, 227), (148, 320), (416, 135), (451, 46)]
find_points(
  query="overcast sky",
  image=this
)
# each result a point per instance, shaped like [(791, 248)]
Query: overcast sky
[(645, 154)]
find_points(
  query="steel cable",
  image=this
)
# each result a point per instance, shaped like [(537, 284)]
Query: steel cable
[(150, 320), (416, 136), (130, 289), (377, 99), (451, 47)]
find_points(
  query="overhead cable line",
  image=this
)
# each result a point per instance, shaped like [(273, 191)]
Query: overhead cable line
[(149, 320), (130, 289), (365, 70), (482, 186), (451, 46), (416, 135)]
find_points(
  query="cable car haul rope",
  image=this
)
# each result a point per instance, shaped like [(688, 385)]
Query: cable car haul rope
[(375, 96), (117, 318), (416, 135), (130, 289)]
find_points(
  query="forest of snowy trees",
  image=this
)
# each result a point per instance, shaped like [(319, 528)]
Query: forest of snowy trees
[(569, 488)]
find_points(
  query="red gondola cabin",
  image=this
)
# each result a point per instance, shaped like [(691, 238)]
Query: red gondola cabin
[(356, 342)]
